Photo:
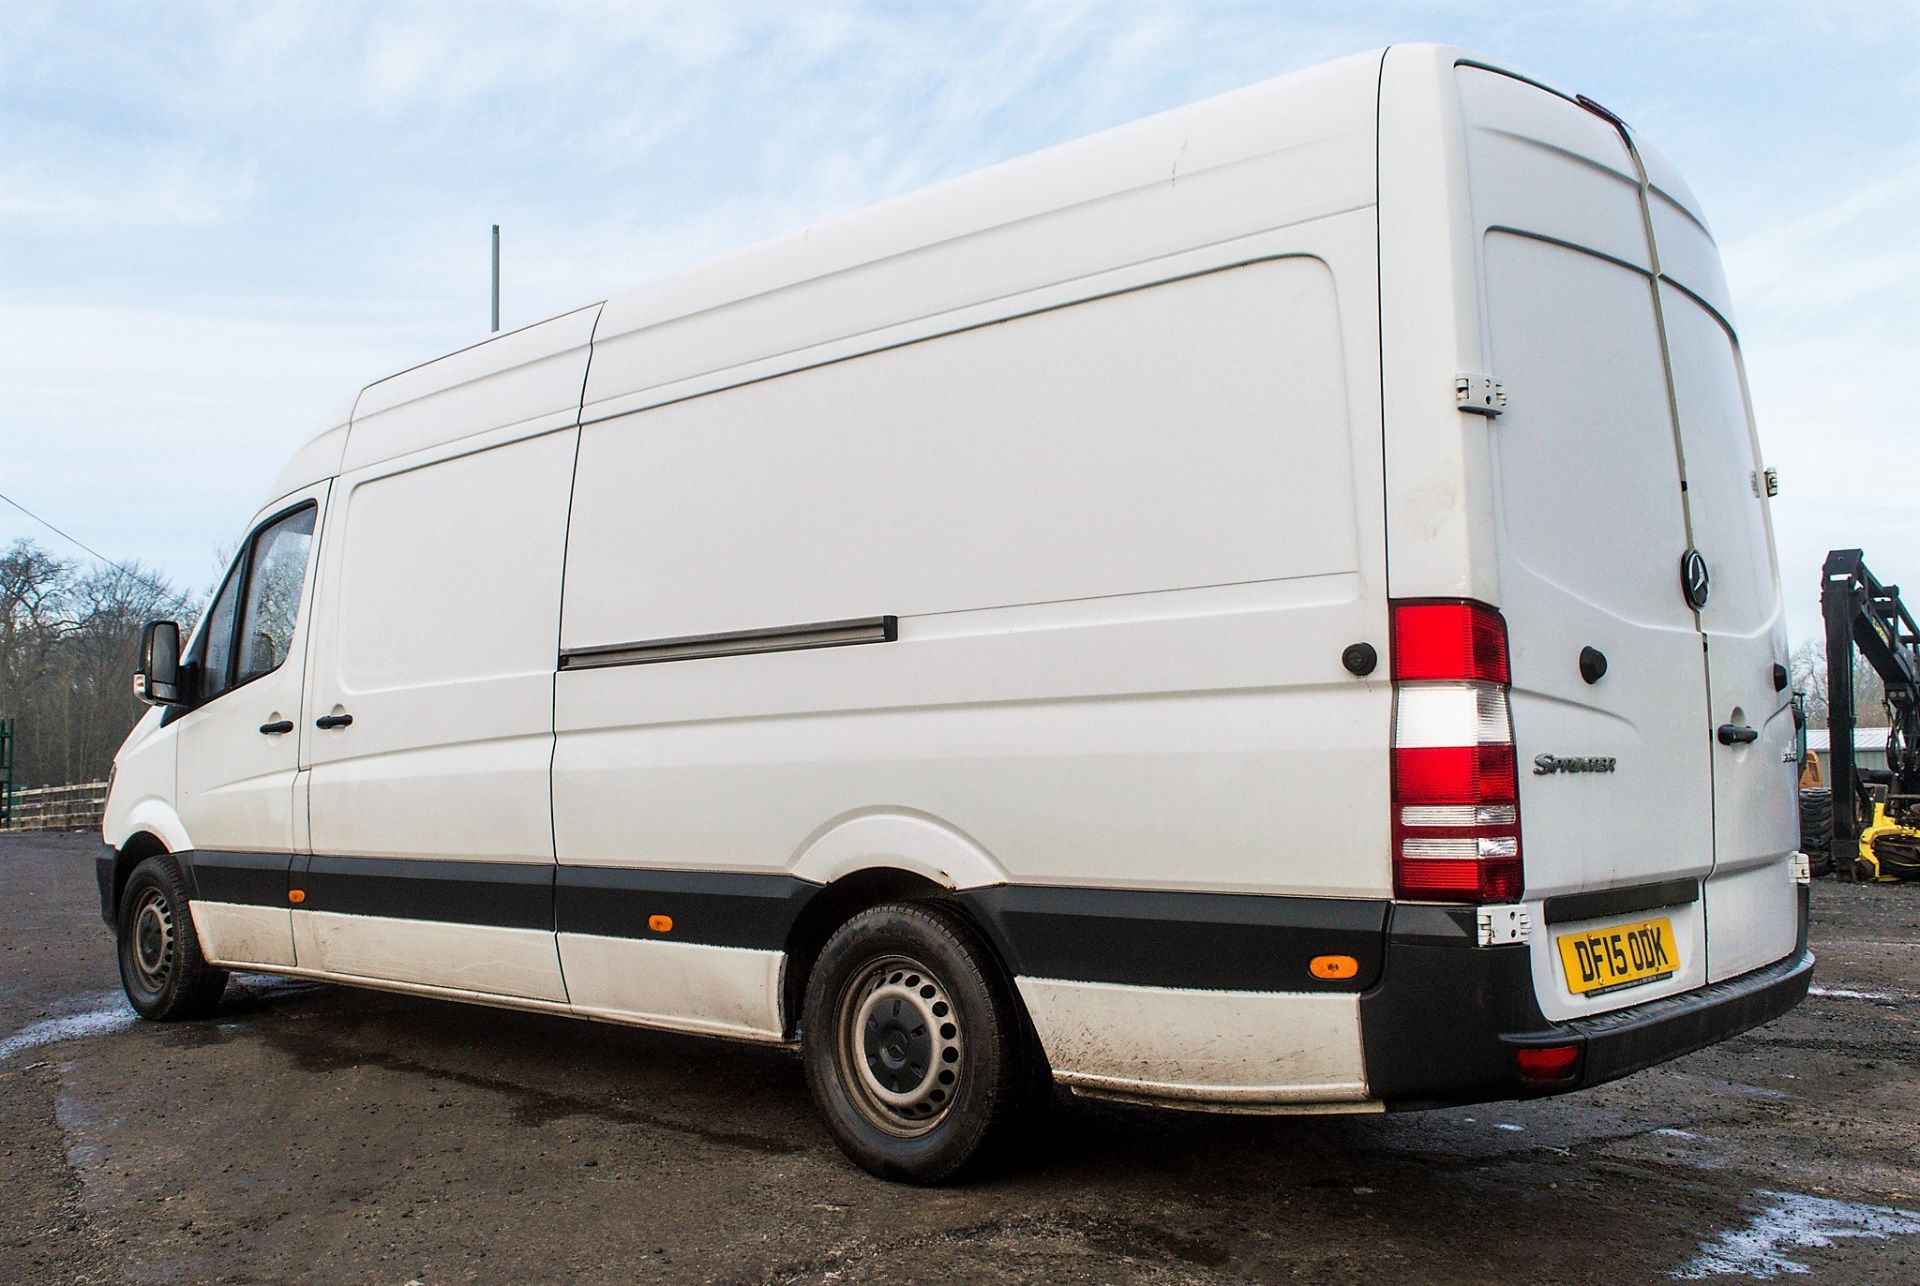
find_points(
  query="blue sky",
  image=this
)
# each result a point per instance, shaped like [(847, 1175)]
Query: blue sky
[(217, 220)]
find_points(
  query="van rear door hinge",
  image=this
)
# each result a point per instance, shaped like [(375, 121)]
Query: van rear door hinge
[(1500, 925), (1479, 394)]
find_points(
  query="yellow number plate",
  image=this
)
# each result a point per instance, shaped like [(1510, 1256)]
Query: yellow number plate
[(1622, 955)]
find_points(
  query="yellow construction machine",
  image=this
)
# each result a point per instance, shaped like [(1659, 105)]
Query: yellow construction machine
[(1875, 816)]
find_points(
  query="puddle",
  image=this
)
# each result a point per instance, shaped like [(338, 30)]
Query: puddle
[(1791, 1221), (110, 1013)]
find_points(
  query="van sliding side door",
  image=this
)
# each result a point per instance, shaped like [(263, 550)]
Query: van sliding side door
[(429, 723)]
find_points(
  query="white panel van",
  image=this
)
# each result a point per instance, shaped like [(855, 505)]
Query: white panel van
[(1271, 608)]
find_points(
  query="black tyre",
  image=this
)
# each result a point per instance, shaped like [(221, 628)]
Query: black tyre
[(1898, 856), (916, 1049), (165, 976), (1816, 828)]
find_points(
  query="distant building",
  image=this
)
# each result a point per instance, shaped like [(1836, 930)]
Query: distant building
[(1869, 747)]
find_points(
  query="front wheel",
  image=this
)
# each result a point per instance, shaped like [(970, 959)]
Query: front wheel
[(916, 1050), (165, 976)]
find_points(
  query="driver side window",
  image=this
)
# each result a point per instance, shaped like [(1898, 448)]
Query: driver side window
[(216, 641), (274, 579), (250, 627)]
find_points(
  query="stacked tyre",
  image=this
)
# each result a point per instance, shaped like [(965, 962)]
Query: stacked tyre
[(1816, 828)]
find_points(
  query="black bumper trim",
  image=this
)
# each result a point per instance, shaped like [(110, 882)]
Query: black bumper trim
[(1569, 907), (1442, 1027), (106, 865), (1630, 1040)]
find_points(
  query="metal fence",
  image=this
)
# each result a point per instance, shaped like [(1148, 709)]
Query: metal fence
[(57, 808)]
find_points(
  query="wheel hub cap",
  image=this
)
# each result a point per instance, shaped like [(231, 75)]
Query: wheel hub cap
[(152, 941), (900, 1044)]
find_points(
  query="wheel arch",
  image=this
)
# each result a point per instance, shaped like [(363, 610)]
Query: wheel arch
[(829, 908), (905, 839), (836, 903), (138, 847)]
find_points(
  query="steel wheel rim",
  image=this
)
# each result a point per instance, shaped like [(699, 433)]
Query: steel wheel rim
[(899, 1045), (151, 941)]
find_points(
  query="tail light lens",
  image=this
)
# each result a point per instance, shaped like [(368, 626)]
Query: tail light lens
[(1456, 799), (1449, 641), (1553, 1063)]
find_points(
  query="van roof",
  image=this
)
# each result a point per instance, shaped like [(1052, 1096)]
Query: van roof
[(986, 235)]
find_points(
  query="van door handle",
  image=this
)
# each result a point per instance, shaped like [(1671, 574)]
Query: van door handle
[(1737, 734), (333, 721), (276, 728)]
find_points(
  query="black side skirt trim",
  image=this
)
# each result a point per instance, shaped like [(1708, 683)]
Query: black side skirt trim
[(502, 895), (720, 909), (1209, 941), (1148, 938), (252, 879)]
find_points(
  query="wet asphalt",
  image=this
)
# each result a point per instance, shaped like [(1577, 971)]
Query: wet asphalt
[(318, 1133)]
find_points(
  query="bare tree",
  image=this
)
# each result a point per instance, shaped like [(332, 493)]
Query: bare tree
[(67, 642), (1809, 668)]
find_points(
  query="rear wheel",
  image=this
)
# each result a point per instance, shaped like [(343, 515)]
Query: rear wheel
[(165, 976), (916, 1051)]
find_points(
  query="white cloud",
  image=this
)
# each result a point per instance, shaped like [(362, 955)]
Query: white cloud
[(184, 418), (1826, 295), (216, 218)]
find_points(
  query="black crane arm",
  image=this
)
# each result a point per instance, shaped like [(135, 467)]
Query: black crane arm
[(1864, 615)]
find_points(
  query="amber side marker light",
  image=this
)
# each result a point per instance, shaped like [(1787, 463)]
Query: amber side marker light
[(296, 896), (660, 923), (1333, 968)]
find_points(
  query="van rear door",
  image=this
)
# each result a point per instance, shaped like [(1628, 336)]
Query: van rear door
[(1627, 446), (1591, 526), (1751, 902)]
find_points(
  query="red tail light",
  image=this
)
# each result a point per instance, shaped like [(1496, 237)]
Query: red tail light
[(1475, 774), (1553, 1063), (1443, 641), (1456, 810)]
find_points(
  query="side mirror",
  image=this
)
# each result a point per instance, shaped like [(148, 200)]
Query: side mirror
[(157, 681)]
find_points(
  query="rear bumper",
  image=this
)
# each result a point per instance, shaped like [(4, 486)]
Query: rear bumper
[(1444, 1024)]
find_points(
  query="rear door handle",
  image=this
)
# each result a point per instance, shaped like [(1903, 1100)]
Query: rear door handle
[(333, 721), (1737, 734), (276, 728)]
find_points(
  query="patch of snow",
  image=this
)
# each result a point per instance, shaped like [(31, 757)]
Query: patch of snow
[(1792, 1221), (109, 1014)]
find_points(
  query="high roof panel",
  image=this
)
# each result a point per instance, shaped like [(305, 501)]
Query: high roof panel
[(1290, 149)]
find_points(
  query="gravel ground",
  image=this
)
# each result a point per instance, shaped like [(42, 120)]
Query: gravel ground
[(320, 1133)]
